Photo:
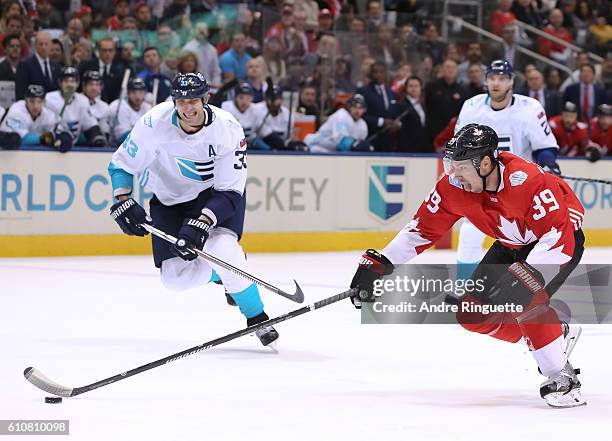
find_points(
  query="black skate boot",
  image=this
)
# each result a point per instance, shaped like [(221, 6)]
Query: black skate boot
[(267, 335), (563, 388)]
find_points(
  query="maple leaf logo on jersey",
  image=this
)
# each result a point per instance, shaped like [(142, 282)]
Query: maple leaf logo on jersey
[(513, 234)]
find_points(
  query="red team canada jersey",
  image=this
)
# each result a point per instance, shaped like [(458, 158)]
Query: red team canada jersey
[(571, 143), (531, 205), (601, 137)]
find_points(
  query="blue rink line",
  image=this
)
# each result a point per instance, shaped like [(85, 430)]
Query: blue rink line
[(282, 153)]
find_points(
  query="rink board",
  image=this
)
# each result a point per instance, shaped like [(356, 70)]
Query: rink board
[(54, 204)]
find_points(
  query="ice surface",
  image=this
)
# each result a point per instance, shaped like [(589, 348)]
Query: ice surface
[(80, 320)]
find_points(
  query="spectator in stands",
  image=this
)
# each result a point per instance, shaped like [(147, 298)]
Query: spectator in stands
[(601, 132), (387, 48), (47, 17), (348, 40), (431, 44), (605, 77), (425, 69), (280, 29), (311, 10), (381, 108), (250, 27), (152, 76), (524, 11), (586, 95), (169, 66), (508, 50), (127, 57), (255, 78), (56, 52), (12, 48), (307, 103), (299, 43), (502, 16), (79, 53), (9, 9), (553, 78), (375, 15), (342, 77), (475, 84), (581, 20), (472, 55), (326, 51), (326, 21), (553, 50), (398, 84), (73, 35), (38, 69), (92, 89), (187, 63), (122, 10), (602, 31), (234, 61), (572, 135), (295, 75), (14, 25), (443, 98), (144, 16), (166, 39), (535, 88), (110, 69), (86, 16), (208, 60), (273, 58), (413, 137)]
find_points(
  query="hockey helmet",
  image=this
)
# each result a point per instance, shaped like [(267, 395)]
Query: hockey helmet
[(244, 88), (570, 107), (604, 110), (189, 86), (273, 92), (357, 100), (472, 142), (35, 91), (136, 84), (91, 75), (501, 67), (69, 72)]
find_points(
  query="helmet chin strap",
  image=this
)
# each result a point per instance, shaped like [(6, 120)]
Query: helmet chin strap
[(484, 178), (209, 116)]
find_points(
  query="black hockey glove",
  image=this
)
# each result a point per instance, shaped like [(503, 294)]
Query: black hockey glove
[(129, 215), (592, 153), (372, 266), (193, 234)]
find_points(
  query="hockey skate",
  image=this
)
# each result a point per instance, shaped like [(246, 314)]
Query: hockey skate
[(563, 388), (266, 335)]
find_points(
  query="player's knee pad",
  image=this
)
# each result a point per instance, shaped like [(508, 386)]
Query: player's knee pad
[(223, 244), (522, 285), (9, 140), (497, 325), (248, 300), (178, 274)]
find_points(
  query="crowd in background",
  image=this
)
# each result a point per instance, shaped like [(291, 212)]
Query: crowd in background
[(389, 51)]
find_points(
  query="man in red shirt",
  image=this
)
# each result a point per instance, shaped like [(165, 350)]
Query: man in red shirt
[(555, 28), (572, 135), (536, 220), (122, 10), (600, 129), (502, 16)]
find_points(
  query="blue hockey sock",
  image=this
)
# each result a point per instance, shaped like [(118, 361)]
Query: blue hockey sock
[(248, 301), (214, 277)]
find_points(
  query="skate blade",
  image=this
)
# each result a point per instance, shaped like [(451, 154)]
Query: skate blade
[(572, 339), (273, 346), (560, 400)]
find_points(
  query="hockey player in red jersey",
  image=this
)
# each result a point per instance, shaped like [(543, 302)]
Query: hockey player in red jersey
[(535, 218), (571, 134), (601, 130)]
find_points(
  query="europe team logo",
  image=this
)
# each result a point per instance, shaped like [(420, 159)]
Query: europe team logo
[(385, 190)]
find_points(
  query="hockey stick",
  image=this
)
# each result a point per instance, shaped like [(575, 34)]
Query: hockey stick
[(67, 97), (155, 91), (599, 181), (39, 380), (122, 93), (385, 129), (217, 98), (297, 297)]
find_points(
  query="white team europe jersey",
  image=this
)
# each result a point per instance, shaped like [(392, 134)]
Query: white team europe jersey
[(177, 166), (77, 115), (18, 120), (247, 120), (127, 116), (99, 110), (337, 126), (522, 127), (271, 124)]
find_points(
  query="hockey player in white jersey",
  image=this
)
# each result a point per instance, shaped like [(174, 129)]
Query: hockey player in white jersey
[(92, 89), (344, 129), (28, 121), (522, 128), (274, 128), (131, 109), (72, 110), (192, 156), (242, 108)]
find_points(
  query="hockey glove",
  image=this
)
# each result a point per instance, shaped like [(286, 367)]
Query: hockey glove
[(129, 215), (193, 234), (373, 266), (47, 138), (592, 153)]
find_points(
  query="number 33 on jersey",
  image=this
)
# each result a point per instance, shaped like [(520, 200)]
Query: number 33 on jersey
[(530, 206)]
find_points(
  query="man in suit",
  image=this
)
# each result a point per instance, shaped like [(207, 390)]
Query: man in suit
[(38, 69), (110, 70), (508, 49), (413, 134), (381, 104), (586, 95), (535, 88)]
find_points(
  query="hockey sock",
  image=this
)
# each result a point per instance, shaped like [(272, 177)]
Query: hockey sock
[(248, 301), (214, 277), (465, 269)]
